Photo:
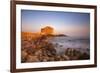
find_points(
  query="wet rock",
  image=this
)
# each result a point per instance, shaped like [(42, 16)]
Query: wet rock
[(84, 56)]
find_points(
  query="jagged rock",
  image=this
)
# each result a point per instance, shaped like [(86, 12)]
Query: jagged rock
[(45, 58), (76, 54), (84, 56), (23, 55), (57, 58), (31, 51), (50, 48), (51, 58), (31, 58), (65, 57), (38, 52)]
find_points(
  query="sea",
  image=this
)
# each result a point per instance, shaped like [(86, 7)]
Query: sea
[(62, 43)]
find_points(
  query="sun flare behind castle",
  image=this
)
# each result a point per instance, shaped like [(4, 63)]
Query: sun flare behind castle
[(47, 30)]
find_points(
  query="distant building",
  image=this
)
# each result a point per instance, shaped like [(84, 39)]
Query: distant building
[(47, 30)]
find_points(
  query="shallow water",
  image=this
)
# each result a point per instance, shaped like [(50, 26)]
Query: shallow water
[(63, 43)]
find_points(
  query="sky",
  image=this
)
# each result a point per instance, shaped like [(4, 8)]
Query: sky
[(70, 23)]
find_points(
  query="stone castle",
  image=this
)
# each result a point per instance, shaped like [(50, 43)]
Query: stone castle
[(47, 30)]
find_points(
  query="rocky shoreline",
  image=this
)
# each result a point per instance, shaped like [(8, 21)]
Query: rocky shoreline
[(41, 50)]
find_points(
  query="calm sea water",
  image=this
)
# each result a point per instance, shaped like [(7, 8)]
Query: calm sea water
[(63, 43)]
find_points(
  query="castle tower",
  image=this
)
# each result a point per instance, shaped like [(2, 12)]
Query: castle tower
[(47, 30)]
